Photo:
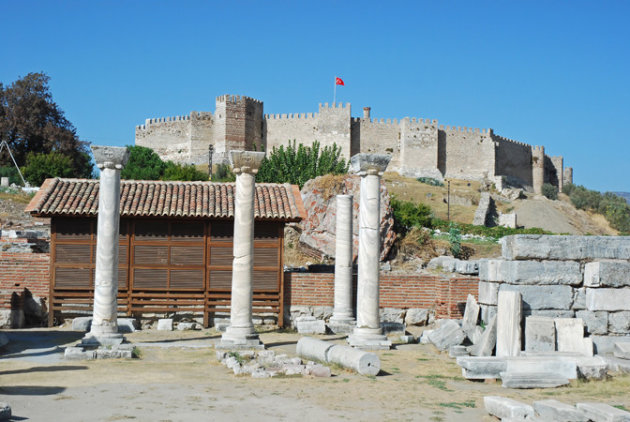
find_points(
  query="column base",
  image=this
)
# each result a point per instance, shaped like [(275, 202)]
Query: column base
[(341, 325), (105, 339), (239, 338), (369, 339)]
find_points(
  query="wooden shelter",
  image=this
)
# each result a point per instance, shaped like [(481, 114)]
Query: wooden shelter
[(175, 245)]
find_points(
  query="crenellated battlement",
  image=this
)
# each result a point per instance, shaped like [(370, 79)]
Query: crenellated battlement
[(419, 147), (504, 139), (465, 130), (339, 106), (291, 116), (237, 99), (159, 121)]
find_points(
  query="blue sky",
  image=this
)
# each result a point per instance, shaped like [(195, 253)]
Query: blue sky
[(545, 73)]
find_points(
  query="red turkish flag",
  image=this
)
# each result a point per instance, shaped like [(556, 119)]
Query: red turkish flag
[(339, 81)]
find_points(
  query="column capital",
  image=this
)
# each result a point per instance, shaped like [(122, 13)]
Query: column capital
[(246, 161), (365, 164), (110, 157)]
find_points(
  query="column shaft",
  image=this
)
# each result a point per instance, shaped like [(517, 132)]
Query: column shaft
[(343, 261)]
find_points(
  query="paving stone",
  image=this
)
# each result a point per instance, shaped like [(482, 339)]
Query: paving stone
[(503, 407), (540, 334), (594, 367), (482, 367), (607, 274), (622, 350), (488, 340), (568, 248), (619, 322), (488, 292), (471, 315), (596, 322), (509, 324), (564, 367), (542, 296), (555, 411), (602, 299), (165, 324), (600, 412), (570, 336), (532, 380), (310, 325), (448, 334)]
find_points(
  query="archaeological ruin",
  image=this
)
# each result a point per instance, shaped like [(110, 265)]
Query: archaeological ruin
[(418, 147)]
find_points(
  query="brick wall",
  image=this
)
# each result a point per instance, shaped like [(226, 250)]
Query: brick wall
[(447, 295), (19, 270)]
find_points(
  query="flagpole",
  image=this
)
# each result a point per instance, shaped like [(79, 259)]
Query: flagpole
[(335, 92)]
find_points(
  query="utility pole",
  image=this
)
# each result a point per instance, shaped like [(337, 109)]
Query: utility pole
[(448, 200), (4, 144)]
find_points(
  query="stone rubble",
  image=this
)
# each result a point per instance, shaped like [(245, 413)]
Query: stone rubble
[(268, 364), (5, 411)]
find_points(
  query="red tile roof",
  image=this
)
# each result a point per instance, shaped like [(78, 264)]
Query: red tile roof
[(79, 197)]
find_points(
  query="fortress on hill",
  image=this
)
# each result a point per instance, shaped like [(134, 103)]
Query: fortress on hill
[(419, 147)]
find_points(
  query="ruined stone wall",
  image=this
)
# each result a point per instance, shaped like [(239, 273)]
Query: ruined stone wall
[(169, 137), (469, 153), (513, 159), (333, 126), (444, 295), (280, 129), (201, 137), (554, 170), (419, 148)]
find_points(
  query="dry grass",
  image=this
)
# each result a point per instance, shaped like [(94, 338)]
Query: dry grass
[(408, 189), (20, 198), (331, 185)]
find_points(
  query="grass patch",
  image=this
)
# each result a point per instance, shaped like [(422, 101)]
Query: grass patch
[(459, 405), (237, 356), (136, 353), (621, 407)]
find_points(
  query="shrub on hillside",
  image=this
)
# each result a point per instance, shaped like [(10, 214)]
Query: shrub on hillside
[(408, 215), (550, 191), (455, 240), (613, 207), (183, 172), (430, 181), (297, 165), (223, 173)]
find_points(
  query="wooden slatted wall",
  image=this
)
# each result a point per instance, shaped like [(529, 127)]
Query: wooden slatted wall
[(165, 266)]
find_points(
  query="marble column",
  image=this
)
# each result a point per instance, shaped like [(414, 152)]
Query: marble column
[(368, 333), (342, 320), (241, 333), (104, 330)]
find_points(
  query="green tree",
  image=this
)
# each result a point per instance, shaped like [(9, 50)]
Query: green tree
[(40, 166), (31, 122), (297, 165), (143, 164)]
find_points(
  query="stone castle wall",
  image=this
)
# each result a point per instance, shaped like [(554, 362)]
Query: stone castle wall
[(419, 147)]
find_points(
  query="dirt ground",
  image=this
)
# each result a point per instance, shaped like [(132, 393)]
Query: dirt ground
[(177, 378)]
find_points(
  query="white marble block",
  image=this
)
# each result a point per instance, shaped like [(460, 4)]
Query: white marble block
[(509, 324)]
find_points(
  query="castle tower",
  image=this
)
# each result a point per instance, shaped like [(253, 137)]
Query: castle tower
[(558, 165), (366, 113), (538, 168), (238, 125), (568, 175)]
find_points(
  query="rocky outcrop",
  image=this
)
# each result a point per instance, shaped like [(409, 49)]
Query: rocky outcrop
[(318, 229)]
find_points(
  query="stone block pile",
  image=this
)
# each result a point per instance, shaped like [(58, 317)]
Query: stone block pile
[(581, 277), (268, 364), (507, 409), (566, 294)]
